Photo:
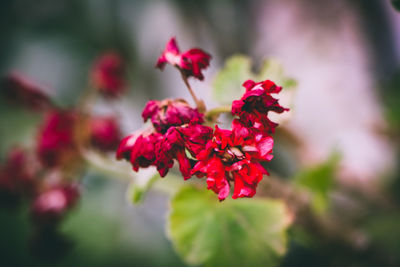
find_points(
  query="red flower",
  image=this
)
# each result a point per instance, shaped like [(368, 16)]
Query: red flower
[(234, 156), (125, 147), (143, 152), (56, 140), (176, 141), (104, 133), (108, 75), (195, 136), (167, 113), (172, 147), (253, 107), (51, 205), (190, 62), (17, 176), (18, 89)]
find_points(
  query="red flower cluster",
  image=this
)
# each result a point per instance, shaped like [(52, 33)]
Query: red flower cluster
[(56, 143), (190, 63), (234, 156), (108, 75), (166, 141), (17, 177), (223, 156), (167, 113), (253, 107)]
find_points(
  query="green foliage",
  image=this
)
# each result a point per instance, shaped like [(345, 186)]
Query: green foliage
[(242, 232), (384, 232), (138, 189), (319, 181), (228, 82)]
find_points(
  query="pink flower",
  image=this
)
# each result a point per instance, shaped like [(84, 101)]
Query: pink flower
[(234, 156), (167, 113), (51, 205), (104, 133), (253, 107), (108, 75), (20, 90), (56, 140), (190, 62)]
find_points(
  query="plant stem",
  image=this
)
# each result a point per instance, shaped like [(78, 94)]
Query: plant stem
[(213, 114), (199, 103)]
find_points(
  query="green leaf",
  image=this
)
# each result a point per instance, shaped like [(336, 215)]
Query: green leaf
[(272, 69), (242, 232), (228, 82), (319, 181)]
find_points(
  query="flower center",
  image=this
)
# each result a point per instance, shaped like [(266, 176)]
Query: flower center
[(232, 154)]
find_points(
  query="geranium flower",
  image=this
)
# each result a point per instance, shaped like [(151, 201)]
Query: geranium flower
[(17, 176), (143, 151), (108, 75), (176, 141), (234, 156), (104, 133), (56, 140), (253, 107), (167, 113), (190, 62)]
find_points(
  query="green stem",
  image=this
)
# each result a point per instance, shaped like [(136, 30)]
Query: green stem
[(199, 103), (213, 114)]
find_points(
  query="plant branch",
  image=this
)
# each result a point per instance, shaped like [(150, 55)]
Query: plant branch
[(213, 114), (199, 103)]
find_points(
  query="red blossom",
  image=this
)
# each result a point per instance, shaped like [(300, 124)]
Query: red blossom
[(125, 147), (234, 156), (172, 147), (143, 152), (176, 141), (18, 89), (56, 139), (195, 136), (257, 101), (190, 62), (17, 176), (108, 75), (167, 113), (104, 133), (51, 205)]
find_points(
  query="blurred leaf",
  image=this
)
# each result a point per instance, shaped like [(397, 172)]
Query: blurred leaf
[(272, 69), (243, 232), (319, 180), (228, 82), (384, 231), (138, 187)]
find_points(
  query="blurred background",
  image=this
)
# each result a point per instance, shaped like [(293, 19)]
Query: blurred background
[(343, 54)]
